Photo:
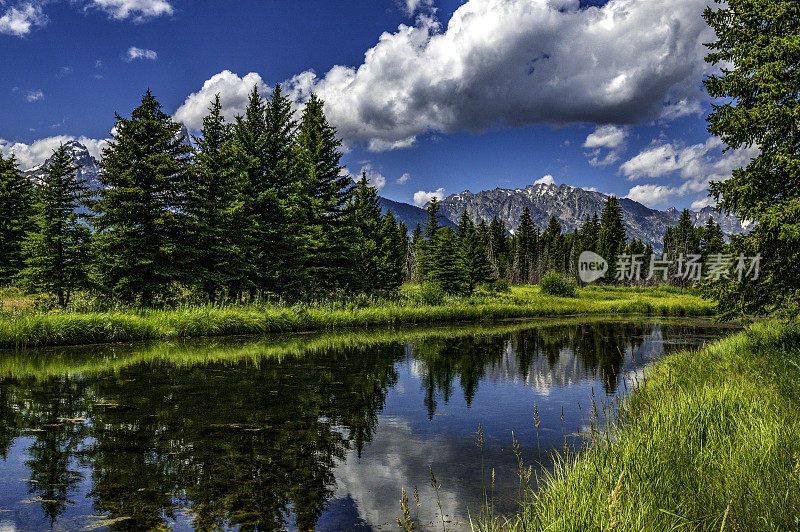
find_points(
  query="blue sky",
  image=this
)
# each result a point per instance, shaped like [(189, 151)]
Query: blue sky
[(430, 96)]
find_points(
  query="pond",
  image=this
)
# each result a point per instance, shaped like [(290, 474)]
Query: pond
[(306, 431)]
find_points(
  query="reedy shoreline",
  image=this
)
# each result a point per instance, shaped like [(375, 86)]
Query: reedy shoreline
[(38, 329)]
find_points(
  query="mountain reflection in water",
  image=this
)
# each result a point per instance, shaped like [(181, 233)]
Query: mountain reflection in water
[(301, 431)]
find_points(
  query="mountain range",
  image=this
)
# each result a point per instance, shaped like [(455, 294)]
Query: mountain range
[(571, 206)]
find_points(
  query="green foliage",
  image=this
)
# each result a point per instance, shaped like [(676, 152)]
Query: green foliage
[(555, 285), (215, 208), (57, 248), (16, 198), (326, 234), (720, 423), (427, 245), (447, 271), (472, 255), (758, 104), (32, 328), (141, 228), (611, 237)]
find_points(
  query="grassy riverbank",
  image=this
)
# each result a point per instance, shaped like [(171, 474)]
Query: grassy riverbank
[(710, 441), (20, 328)]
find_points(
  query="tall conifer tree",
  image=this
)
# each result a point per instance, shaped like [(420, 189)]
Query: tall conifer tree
[(57, 248), (139, 214), (611, 237), (15, 209), (216, 207), (326, 234)]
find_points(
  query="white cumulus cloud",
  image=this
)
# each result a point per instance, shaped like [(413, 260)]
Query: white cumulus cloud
[(421, 198), (138, 10), (135, 53), (546, 180), (233, 91), (20, 20), (651, 195), (403, 179), (696, 166), (607, 137), (37, 152), (34, 95), (511, 63)]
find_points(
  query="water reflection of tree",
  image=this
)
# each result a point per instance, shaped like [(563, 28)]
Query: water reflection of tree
[(53, 413), (600, 349), (230, 445)]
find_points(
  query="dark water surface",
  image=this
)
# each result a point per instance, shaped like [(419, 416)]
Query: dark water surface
[(302, 431)]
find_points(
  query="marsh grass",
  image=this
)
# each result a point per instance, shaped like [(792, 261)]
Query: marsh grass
[(36, 328), (710, 440)]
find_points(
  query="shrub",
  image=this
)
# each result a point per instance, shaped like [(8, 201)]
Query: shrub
[(497, 286), (555, 285), (430, 294)]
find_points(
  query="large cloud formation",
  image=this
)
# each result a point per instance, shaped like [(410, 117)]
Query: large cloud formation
[(35, 153), (233, 91), (511, 63), (695, 165)]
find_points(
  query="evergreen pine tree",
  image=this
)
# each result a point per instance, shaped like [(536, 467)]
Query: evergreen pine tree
[(405, 249), (368, 246), (611, 237), (429, 243), (281, 215), (526, 248), (15, 210), (712, 240), (447, 271), (57, 248), (392, 254), (757, 103), (326, 193), (140, 220), (259, 196), (215, 206), (473, 257)]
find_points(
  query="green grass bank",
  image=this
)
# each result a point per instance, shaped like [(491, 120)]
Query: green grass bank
[(709, 441), (35, 329)]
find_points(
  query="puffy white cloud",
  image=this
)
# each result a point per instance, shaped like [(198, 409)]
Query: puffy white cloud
[(34, 95), (546, 180), (389, 145), (510, 63), (20, 20), (651, 195), (138, 10), (412, 6), (37, 152), (233, 93), (696, 165), (374, 177), (403, 179), (421, 198), (134, 53), (608, 137)]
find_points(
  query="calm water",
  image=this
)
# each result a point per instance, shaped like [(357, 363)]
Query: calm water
[(303, 431)]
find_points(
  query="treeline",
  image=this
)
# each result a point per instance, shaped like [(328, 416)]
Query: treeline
[(262, 206), (259, 206), (473, 254)]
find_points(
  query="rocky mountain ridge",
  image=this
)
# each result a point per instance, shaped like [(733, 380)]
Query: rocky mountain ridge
[(572, 206)]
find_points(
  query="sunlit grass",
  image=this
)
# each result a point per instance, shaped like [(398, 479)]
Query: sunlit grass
[(34, 328), (710, 441)]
